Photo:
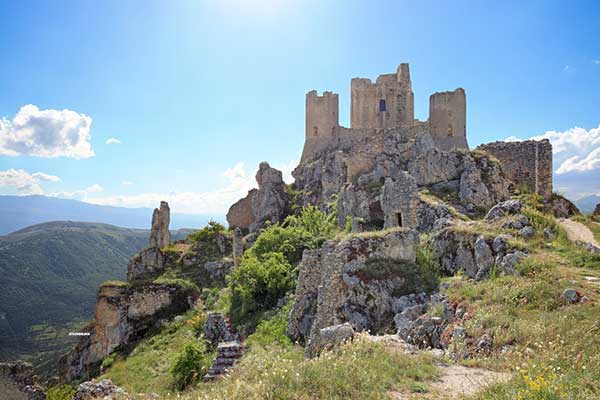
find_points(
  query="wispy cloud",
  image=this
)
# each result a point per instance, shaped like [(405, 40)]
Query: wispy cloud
[(239, 180), (597, 62), (112, 141), (81, 194), (22, 182), (46, 133), (126, 183)]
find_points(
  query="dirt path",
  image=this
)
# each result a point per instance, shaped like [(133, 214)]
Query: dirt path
[(578, 232)]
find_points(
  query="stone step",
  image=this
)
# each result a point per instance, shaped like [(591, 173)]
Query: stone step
[(228, 354)]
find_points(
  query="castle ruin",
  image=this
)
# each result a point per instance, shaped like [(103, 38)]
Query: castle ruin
[(380, 107)]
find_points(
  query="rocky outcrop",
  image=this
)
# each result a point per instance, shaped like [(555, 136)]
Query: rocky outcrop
[(597, 210), (228, 354), (269, 203), (354, 281), (460, 250), (18, 381), (150, 261), (331, 337), (100, 390), (159, 231), (561, 207), (122, 315), (238, 246)]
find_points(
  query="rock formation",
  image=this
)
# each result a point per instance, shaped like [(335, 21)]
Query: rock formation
[(100, 390), (267, 203), (159, 233), (596, 210), (17, 381)]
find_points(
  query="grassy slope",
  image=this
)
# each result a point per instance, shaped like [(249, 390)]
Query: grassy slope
[(550, 349)]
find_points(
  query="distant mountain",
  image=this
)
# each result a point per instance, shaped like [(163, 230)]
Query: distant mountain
[(588, 203), (17, 212), (49, 277)]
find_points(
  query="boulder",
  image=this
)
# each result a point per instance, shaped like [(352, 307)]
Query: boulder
[(100, 390), (217, 329), (561, 207), (527, 232), (569, 296), (330, 337), (505, 208)]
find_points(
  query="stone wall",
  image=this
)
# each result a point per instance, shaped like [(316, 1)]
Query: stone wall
[(527, 163), (448, 119), (354, 280)]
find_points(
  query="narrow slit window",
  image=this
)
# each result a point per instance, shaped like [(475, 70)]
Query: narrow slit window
[(382, 105)]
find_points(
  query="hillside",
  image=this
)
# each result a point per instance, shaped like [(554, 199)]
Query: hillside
[(50, 273), (18, 212), (588, 203)]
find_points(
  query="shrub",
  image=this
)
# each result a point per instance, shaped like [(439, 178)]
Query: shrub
[(191, 364), (60, 392), (272, 330), (208, 233), (197, 322), (257, 284), (289, 241)]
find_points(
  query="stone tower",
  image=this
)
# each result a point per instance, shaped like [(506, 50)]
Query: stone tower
[(387, 103), (322, 120), (448, 119)]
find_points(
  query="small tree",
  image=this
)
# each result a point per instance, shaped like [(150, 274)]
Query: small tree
[(191, 364)]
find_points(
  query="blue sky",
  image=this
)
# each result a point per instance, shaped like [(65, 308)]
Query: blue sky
[(197, 93)]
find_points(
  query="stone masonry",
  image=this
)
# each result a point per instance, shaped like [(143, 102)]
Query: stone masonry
[(526, 163), (379, 109)]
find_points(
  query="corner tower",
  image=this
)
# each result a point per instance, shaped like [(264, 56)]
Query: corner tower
[(448, 119), (322, 121)]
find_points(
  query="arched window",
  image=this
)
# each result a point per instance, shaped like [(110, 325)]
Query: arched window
[(382, 105)]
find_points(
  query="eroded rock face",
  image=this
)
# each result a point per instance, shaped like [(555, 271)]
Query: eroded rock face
[(103, 389), (562, 207), (268, 203), (18, 382), (122, 315), (355, 281), (331, 337), (159, 232), (472, 253)]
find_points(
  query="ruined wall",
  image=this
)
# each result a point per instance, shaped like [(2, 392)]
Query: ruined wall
[(526, 163), (399, 201), (388, 103), (448, 119), (322, 120)]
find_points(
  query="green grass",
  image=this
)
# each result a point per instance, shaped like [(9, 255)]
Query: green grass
[(359, 370), (147, 368)]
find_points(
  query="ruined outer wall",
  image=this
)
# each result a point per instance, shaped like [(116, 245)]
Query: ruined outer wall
[(322, 120), (448, 119), (526, 163)]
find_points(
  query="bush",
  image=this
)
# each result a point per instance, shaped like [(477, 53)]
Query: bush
[(61, 392), (272, 330), (257, 284), (208, 233), (191, 364)]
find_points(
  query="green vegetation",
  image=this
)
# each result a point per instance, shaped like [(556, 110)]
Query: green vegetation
[(50, 276), (191, 364), (180, 282), (209, 233), (272, 330), (360, 370), (60, 392), (147, 369)]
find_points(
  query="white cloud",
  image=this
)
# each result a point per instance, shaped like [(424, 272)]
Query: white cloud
[(126, 183), (239, 181), (81, 194), (574, 150), (597, 62), (46, 133), (22, 182), (112, 140)]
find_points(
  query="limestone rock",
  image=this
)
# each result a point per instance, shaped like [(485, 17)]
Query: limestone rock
[(18, 381), (100, 390), (331, 337), (238, 246), (267, 203), (569, 296), (508, 207), (218, 270), (122, 315), (527, 232), (484, 257), (561, 207), (304, 309), (597, 210), (159, 232)]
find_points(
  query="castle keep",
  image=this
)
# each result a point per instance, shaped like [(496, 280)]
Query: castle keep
[(380, 107)]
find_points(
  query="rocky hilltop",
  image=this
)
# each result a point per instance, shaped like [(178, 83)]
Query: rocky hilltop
[(395, 244)]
